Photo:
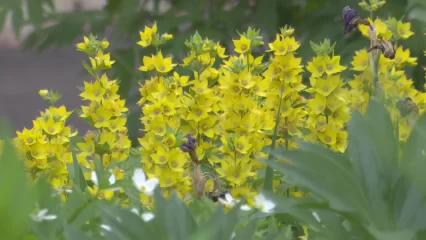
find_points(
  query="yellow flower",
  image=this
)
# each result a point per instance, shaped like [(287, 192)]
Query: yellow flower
[(318, 104), (279, 46), (381, 29), (332, 65), (403, 56), (116, 125), (93, 91), (292, 44), (404, 30), (316, 66), (341, 141), (361, 60), (101, 117), (43, 92), (51, 127), (328, 136), (84, 45), (148, 63), (177, 160), (147, 35), (242, 45), (163, 65), (198, 112), (327, 86), (242, 145), (166, 36), (87, 148), (101, 61)]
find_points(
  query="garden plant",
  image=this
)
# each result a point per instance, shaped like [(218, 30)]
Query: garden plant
[(234, 145)]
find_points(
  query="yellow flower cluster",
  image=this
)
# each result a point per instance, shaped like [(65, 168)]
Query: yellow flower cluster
[(393, 85), (219, 120), (328, 110), (45, 147), (105, 112), (162, 113)]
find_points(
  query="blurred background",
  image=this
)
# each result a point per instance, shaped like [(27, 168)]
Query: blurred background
[(37, 40)]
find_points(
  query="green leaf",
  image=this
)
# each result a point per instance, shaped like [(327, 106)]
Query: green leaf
[(3, 14), (16, 197), (247, 232), (35, 11), (324, 172), (125, 224), (79, 179), (72, 233), (178, 225), (17, 19)]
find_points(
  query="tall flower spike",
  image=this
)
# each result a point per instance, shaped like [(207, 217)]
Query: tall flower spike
[(351, 19)]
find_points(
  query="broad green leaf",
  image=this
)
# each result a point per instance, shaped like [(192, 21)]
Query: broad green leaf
[(17, 20), (174, 217), (3, 14), (381, 132), (72, 233), (35, 11), (79, 179), (247, 232), (125, 224), (16, 198), (324, 173)]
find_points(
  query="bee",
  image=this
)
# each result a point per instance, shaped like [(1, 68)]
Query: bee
[(215, 196), (407, 106), (352, 19), (386, 47)]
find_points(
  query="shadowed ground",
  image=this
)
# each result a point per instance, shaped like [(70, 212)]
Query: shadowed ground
[(23, 73)]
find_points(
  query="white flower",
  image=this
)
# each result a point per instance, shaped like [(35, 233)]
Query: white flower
[(146, 216), (144, 185), (264, 204), (111, 181), (230, 201), (43, 216)]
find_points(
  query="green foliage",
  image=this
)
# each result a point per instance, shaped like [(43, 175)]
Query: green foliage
[(372, 192)]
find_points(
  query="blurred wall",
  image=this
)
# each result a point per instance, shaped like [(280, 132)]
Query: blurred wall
[(7, 37)]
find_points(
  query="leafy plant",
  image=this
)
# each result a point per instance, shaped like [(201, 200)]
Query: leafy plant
[(374, 191)]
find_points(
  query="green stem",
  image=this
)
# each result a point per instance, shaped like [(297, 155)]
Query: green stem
[(269, 173)]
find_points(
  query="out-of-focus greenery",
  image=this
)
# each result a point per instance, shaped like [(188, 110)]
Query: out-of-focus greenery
[(217, 19)]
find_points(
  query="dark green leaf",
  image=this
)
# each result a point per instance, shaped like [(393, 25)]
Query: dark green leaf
[(17, 20), (35, 11), (79, 179), (72, 233), (16, 198)]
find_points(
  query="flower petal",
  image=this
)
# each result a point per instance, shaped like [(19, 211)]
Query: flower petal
[(148, 216), (229, 198), (151, 184), (111, 179), (135, 211), (245, 207), (42, 212), (50, 217), (94, 178), (138, 178)]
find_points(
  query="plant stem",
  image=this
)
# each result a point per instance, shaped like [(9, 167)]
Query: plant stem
[(269, 173)]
